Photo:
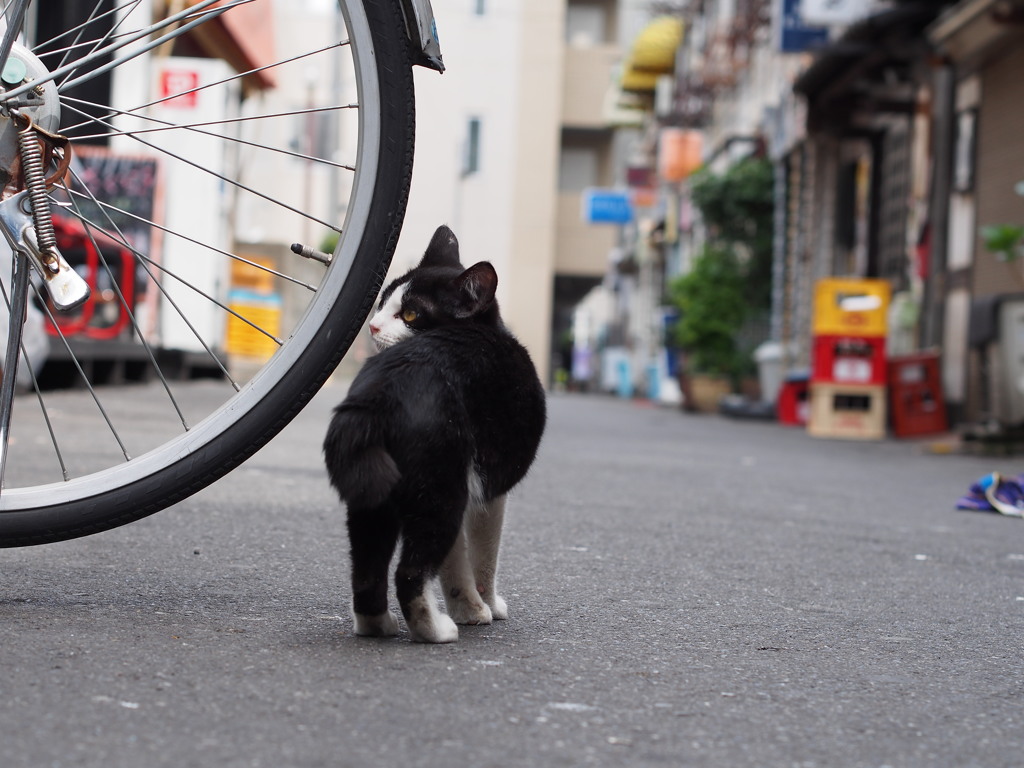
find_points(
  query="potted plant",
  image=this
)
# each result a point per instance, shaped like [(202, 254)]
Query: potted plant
[(729, 283), (710, 300)]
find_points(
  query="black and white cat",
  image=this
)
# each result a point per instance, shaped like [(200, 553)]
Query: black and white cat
[(436, 429)]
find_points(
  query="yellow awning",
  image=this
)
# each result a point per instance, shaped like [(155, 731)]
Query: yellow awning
[(635, 80), (653, 54)]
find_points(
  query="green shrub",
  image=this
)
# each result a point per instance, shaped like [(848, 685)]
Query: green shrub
[(711, 311), (738, 209)]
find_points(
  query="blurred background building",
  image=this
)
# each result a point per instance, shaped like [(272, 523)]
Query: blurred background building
[(663, 184), (564, 144), (511, 137)]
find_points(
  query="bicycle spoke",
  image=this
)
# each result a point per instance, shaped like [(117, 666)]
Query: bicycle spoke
[(39, 395), (82, 374), (98, 43), (184, 281), (135, 36), (46, 418), (195, 22), (170, 126), (80, 29), (193, 126), (233, 78), (15, 327), (184, 237), (146, 263), (45, 48), (14, 25), (131, 315), (222, 177), (233, 256)]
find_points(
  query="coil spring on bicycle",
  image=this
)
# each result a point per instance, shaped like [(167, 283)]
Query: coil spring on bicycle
[(34, 175)]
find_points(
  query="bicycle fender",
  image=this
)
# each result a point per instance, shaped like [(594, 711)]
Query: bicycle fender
[(422, 30)]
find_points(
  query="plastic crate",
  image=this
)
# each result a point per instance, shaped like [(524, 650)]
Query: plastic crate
[(916, 401), (848, 411), (849, 360), (852, 307), (793, 405)]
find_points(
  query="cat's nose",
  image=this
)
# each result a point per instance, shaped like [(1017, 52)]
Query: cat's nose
[(374, 329)]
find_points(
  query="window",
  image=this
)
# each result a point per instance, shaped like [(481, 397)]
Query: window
[(471, 156), (586, 24), (579, 167)]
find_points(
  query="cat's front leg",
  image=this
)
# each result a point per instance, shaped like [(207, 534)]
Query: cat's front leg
[(483, 535), (381, 625), (461, 599)]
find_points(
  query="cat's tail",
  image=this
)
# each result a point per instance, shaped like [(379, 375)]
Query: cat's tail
[(358, 464)]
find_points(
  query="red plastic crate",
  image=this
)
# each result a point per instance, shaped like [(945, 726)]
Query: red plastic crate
[(793, 405), (916, 402), (849, 360)]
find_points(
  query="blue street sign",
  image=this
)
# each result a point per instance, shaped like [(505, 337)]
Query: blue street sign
[(607, 206)]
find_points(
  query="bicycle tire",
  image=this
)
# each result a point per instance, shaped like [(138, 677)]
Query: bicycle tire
[(177, 469)]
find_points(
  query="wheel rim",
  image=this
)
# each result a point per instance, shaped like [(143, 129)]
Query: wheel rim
[(237, 404)]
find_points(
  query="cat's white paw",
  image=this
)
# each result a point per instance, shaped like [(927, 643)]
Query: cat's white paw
[(464, 609), (426, 623), (382, 625), (498, 606), (440, 630)]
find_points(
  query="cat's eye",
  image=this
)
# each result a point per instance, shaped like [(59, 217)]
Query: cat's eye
[(409, 315)]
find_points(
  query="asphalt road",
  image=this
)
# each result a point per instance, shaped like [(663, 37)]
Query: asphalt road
[(683, 591)]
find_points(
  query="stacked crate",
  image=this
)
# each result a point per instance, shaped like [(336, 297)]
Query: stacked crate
[(848, 369), (915, 395)]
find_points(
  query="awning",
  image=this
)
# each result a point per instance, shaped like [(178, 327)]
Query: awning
[(869, 44), (653, 54), (869, 71)]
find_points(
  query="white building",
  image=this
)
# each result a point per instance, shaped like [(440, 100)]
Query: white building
[(509, 137)]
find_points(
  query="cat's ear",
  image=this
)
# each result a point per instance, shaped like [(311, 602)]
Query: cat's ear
[(443, 250), (476, 288)]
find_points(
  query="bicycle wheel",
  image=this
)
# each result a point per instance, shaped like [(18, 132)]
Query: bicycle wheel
[(242, 151)]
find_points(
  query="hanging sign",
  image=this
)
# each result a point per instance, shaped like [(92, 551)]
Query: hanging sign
[(795, 35)]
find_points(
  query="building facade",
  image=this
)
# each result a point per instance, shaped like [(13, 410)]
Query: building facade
[(521, 124), (892, 129)]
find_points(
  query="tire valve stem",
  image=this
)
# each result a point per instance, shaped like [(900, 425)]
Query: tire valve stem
[(308, 252)]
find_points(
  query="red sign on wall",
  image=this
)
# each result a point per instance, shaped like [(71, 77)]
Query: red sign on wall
[(176, 86)]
